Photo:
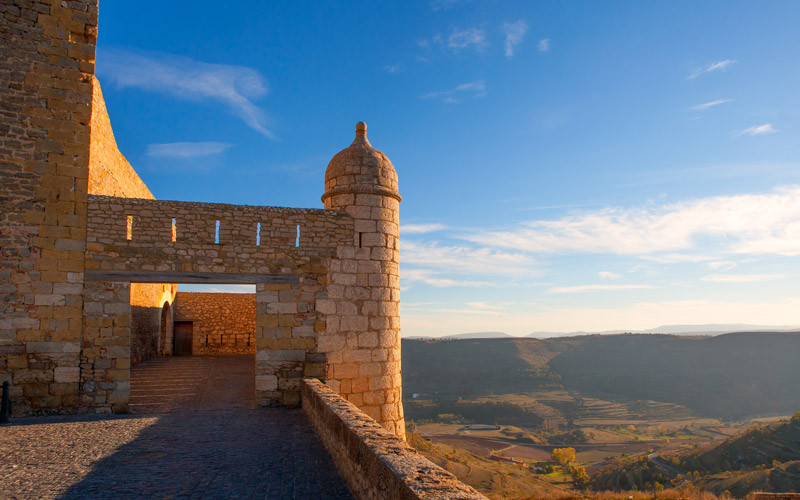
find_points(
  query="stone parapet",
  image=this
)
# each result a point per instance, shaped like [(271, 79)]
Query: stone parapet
[(375, 463)]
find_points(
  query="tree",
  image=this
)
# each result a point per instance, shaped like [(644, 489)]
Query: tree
[(563, 456), (796, 417), (579, 477)]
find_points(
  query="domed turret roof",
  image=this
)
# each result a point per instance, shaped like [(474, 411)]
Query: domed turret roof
[(360, 168)]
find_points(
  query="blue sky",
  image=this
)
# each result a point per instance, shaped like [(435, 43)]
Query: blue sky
[(564, 165)]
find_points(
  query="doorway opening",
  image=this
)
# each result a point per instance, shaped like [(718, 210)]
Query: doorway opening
[(207, 351)]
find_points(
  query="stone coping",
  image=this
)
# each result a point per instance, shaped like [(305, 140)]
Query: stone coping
[(375, 463)]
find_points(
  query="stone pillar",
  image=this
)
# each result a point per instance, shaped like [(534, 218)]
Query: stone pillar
[(362, 337)]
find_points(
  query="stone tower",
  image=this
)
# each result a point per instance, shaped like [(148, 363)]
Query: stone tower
[(365, 365)]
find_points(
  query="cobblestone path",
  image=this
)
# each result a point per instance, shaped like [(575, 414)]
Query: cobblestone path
[(196, 436)]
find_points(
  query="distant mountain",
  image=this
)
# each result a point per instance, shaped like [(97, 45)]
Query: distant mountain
[(729, 376), (479, 335), (709, 329), (471, 335)]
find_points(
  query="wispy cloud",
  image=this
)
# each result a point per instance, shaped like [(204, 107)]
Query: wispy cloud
[(234, 86), (435, 279), (514, 32), (594, 288), (709, 104), (544, 45), (764, 129), (711, 67), (466, 260), (470, 90), (474, 38), (487, 306), (186, 149), (721, 265), (393, 68), (608, 275), (742, 278), (748, 223), (420, 228)]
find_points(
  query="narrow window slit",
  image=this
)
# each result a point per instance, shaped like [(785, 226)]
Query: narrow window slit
[(258, 234), (297, 240), (174, 230), (216, 234), (360, 239), (129, 230)]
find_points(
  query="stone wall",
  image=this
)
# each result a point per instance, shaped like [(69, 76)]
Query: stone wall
[(47, 49), (375, 462), (110, 174), (222, 322)]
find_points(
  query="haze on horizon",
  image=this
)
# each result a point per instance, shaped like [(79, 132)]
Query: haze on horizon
[(564, 166)]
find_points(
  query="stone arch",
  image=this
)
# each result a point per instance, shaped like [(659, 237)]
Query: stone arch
[(166, 329)]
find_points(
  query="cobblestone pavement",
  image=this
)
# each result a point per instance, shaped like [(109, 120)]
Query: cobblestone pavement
[(197, 436)]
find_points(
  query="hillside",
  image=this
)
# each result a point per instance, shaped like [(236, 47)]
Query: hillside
[(765, 457), (478, 366), (730, 376)]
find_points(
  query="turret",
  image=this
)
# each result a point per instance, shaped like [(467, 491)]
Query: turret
[(363, 336)]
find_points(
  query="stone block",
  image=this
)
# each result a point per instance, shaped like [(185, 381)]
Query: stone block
[(66, 374)]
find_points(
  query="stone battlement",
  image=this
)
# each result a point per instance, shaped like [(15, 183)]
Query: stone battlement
[(376, 463)]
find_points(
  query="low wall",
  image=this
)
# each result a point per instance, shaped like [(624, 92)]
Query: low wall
[(375, 463)]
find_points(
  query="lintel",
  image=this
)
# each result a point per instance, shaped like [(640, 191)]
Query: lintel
[(189, 277)]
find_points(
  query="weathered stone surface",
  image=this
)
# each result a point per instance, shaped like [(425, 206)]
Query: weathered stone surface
[(221, 322), (374, 461)]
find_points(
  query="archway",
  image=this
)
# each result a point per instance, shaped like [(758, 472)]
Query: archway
[(167, 329)]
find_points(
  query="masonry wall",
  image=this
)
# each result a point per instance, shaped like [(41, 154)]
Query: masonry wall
[(375, 462), (47, 49), (252, 241), (223, 323), (112, 175)]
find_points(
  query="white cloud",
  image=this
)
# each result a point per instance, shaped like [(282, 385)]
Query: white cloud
[(393, 68), (748, 223), (742, 278), (711, 67), (470, 90), (544, 45), (474, 38), (710, 104), (593, 288), (466, 260), (420, 228), (234, 86), (434, 279), (484, 305), (608, 275), (186, 149), (758, 130), (721, 265), (677, 258), (514, 32)]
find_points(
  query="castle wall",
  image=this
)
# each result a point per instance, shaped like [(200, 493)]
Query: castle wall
[(111, 174), (222, 322), (47, 48), (288, 321)]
